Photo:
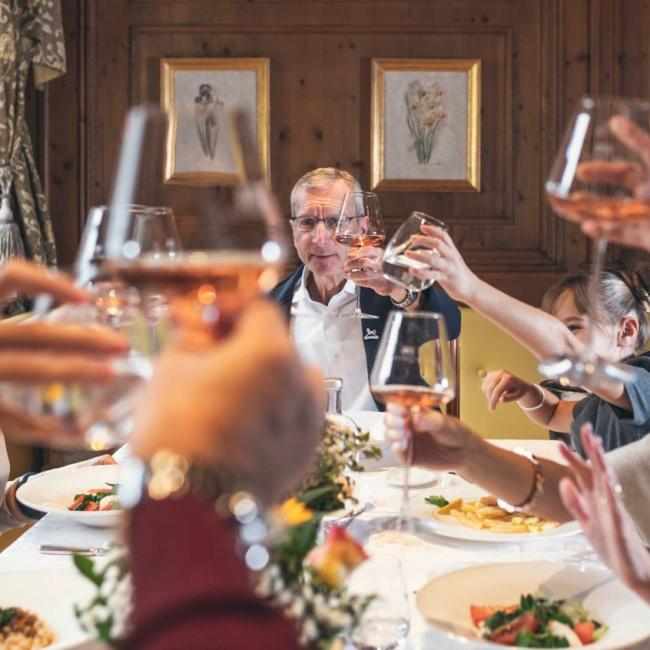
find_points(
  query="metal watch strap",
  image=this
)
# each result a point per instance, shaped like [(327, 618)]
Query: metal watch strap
[(409, 299)]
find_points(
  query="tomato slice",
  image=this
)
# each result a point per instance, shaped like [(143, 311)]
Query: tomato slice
[(585, 631), (76, 503), (480, 613), (93, 505), (507, 633)]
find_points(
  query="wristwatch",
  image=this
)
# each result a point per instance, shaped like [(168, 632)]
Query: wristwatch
[(411, 297)]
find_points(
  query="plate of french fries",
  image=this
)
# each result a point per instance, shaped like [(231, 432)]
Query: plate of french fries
[(467, 512)]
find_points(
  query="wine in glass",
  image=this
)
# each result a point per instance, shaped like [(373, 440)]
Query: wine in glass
[(397, 266), (360, 224), (414, 367), (590, 178), (232, 251)]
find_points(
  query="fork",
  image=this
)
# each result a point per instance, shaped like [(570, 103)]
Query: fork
[(55, 549)]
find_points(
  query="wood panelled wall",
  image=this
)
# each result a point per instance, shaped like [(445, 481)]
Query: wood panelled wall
[(537, 57)]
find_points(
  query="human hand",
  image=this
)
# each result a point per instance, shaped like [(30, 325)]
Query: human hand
[(363, 267), (21, 276), (445, 263), (501, 386), (45, 352), (593, 498), (430, 439), (246, 402), (633, 176)]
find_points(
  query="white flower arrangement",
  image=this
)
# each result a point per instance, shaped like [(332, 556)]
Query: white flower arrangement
[(107, 615)]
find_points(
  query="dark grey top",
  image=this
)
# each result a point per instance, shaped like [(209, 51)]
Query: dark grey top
[(616, 426)]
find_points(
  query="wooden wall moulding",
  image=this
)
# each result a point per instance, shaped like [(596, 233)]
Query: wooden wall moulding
[(536, 58)]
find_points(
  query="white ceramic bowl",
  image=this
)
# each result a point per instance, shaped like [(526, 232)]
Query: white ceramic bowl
[(54, 491), (445, 601)]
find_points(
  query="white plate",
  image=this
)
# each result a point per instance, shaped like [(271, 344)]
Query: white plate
[(54, 491), (51, 595), (607, 599), (447, 526), (418, 477)]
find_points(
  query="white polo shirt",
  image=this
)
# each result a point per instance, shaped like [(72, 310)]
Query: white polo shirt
[(333, 344)]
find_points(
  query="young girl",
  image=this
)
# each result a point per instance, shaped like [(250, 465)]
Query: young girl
[(620, 414)]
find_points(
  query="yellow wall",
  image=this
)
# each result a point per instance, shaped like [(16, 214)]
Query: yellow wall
[(484, 348)]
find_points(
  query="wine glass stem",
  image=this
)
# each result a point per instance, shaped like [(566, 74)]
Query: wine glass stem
[(404, 510), (599, 248), (357, 293)]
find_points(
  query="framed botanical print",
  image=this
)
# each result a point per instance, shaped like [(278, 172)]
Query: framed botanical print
[(425, 124), (197, 94)]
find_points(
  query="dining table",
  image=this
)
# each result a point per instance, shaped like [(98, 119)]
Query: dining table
[(423, 555)]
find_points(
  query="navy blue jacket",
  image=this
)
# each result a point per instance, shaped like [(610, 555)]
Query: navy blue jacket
[(433, 299)]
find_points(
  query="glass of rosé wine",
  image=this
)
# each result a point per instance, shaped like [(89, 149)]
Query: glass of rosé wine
[(360, 224), (414, 367), (233, 240), (593, 177)]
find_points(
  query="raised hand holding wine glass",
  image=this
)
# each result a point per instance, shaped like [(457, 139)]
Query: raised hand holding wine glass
[(414, 368), (361, 228), (582, 185)]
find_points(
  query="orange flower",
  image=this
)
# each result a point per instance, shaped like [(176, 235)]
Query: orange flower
[(334, 560)]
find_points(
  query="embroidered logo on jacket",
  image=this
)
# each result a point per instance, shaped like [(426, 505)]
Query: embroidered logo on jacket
[(370, 334)]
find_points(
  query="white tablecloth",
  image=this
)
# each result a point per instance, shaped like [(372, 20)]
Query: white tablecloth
[(423, 556)]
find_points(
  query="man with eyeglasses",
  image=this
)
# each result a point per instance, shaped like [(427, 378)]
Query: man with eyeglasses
[(319, 300)]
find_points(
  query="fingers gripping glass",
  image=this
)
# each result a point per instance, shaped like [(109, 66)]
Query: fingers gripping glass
[(403, 263), (590, 178), (413, 368), (360, 224)]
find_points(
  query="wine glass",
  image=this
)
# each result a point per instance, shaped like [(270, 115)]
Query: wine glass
[(580, 184), (396, 265), (150, 231), (360, 224), (414, 367), (385, 623), (233, 248)]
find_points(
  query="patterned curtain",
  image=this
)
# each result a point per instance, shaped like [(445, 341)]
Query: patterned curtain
[(31, 34)]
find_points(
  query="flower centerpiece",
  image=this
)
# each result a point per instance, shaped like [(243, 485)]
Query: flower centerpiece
[(305, 580)]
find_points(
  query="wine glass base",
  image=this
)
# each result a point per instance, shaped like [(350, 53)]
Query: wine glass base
[(579, 371)]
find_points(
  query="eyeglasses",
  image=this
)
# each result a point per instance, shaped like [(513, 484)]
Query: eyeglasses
[(309, 224)]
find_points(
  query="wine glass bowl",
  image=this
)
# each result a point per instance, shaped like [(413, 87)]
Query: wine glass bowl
[(360, 224), (414, 368), (233, 250), (397, 266), (593, 177)]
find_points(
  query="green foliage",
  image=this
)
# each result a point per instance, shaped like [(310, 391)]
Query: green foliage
[(6, 615), (437, 500), (87, 569)]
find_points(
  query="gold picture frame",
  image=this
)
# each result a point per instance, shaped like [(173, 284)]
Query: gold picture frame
[(196, 93), (425, 125)]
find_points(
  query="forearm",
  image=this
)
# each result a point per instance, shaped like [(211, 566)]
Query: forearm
[(10, 514), (509, 476), (542, 334)]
